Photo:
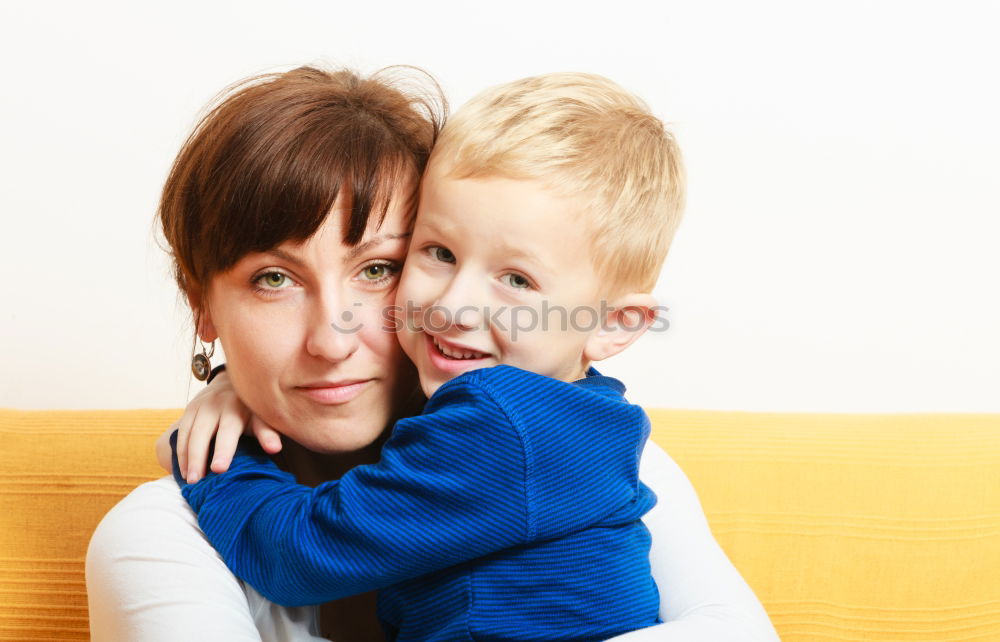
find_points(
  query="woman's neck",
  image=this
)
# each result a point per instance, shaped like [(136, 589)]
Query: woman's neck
[(312, 468)]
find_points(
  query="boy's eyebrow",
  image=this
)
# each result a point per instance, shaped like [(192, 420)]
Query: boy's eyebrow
[(530, 257), (429, 222), (360, 249), (509, 250)]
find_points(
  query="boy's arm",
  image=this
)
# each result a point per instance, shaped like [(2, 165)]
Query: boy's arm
[(449, 488)]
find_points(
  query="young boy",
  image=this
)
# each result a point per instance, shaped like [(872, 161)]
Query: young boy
[(510, 508)]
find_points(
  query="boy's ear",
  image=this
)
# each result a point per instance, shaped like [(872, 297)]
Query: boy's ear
[(627, 318)]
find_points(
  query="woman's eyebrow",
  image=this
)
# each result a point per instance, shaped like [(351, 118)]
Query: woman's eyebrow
[(360, 249), (285, 256)]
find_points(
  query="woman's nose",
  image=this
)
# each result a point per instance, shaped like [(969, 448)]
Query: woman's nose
[(333, 331)]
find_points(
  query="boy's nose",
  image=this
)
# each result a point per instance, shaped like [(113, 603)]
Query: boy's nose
[(466, 317), (459, 305)]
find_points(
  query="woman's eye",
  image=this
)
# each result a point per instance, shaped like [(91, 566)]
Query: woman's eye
[(374, 272), (274, 280), (442, 254), (379, 272), (516, 281)]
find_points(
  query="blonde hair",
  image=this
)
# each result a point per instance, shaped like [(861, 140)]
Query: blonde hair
[(582, 135)]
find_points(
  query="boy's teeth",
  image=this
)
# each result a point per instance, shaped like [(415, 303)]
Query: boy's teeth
[(458, 354)]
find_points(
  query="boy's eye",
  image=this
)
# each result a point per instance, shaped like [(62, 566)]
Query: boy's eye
[(442, 254), (516, 281)]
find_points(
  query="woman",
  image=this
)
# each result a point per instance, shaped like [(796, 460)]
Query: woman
[(288, 209)]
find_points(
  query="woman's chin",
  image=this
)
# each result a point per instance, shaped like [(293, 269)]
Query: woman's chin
[(343, 444), (338, 436)]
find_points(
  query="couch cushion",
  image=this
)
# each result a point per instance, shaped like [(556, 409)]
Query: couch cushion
[(60, 472), (848, 527), (853, 527)]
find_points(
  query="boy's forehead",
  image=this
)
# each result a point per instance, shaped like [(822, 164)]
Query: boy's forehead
[(510, 224)]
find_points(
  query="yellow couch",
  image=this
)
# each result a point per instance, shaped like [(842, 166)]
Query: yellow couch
[(848, 527)]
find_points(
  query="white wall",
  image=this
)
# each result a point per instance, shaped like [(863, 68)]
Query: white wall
[(839, 251)]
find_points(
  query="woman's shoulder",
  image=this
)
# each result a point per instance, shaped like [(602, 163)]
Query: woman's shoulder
[(147, 510), (153, 576), (151, 522), (658, 469)]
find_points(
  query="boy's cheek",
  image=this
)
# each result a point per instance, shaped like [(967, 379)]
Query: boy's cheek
[(405, 281), (407, 338), (406, 328), (417, 290)]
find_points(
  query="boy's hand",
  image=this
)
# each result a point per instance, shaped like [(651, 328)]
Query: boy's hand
[(163, 455), (215, 412)]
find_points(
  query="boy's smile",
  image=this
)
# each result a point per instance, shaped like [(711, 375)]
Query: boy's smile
[(447, 356), (498, 271)]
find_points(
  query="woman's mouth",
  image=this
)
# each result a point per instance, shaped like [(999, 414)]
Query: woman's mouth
[(334, 393)]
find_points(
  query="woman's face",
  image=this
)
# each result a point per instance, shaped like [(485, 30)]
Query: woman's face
[(306, 346)]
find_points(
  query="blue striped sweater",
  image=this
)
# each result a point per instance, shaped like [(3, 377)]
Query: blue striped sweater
[(508, 510)]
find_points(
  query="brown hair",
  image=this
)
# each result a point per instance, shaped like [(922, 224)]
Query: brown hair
[(268, 160)]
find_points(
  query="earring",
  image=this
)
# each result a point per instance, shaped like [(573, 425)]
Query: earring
[(201, 366)]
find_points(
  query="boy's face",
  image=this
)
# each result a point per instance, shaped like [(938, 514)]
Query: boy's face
[(499, 271)]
